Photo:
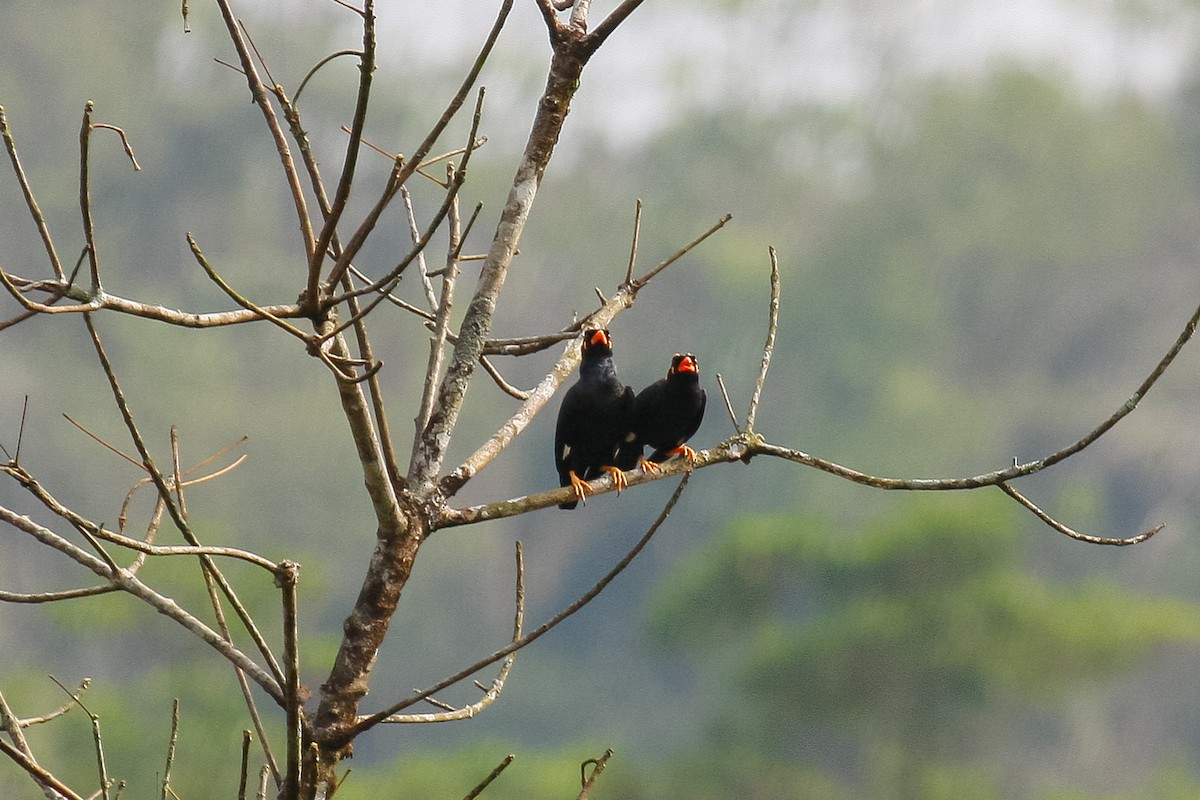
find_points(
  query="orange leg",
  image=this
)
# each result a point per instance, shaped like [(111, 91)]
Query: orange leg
[(686, 452), (618, 477), (648, 466), (582, 490)]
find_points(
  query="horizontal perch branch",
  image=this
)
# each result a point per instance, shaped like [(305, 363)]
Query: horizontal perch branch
[(743, 447)]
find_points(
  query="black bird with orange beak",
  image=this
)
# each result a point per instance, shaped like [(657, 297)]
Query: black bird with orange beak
[(594, 420), (666, 414)]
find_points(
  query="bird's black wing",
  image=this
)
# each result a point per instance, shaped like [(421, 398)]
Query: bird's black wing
[(629, 448), (566, 437)]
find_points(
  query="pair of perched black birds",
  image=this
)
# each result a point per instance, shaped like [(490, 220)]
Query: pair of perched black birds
[(604, 427)]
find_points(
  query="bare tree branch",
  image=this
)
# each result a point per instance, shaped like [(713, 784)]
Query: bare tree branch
[(495, 773), (258, 92), (164, 491), (589, 780), (172, 741), (366, 69), (31, 203), (39, 775), (728, 403), (12, 726), (504, 385), (769, 347), (286, 579), (160, 603), (441, 325), (85, 197), (103, 301), (402, 171), (239, 299), (1064, 530)]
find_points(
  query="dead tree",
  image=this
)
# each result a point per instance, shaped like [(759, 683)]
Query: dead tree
[(412, 498)]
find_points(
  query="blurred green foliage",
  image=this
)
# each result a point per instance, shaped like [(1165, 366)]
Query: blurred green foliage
[(911, 636)]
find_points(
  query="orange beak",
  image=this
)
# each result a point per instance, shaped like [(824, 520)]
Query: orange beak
[(600, 337), (689, 364)]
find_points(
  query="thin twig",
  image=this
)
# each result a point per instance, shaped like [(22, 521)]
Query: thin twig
[(633, 247), (113, 567), (441, 326), (589, 780), (351, 293), (31, 203), (504, 385), (16, 458), (171, 742), (12, 726), (769, 347), (177, 476), (35, 598), (414, 234), (245, 303), (309, 75), (433, 701), (39, 775), (124, 143), (286, 579), (728, 404), (366, 70), (257, 54), (85, 199), (259, 94), (247, 737), (1065, 531), (96, 737), (642, 281), (104, 444), (495, 773), (210, 568), (402, 171)]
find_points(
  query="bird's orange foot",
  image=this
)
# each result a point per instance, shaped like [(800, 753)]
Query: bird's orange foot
[(687, 452), (618, 477), (582, 490), (648, 466)]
